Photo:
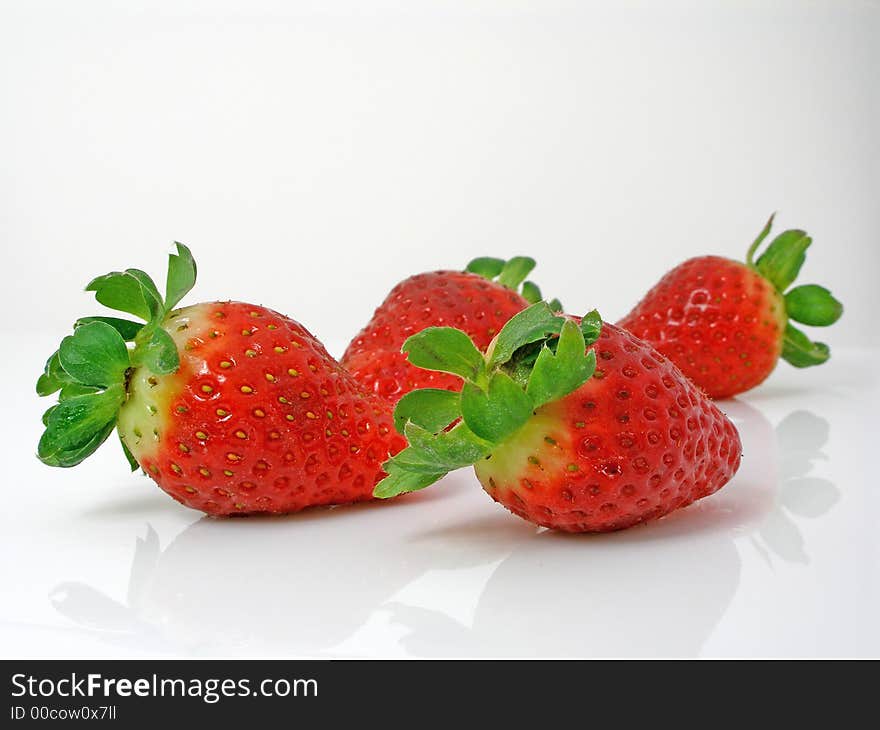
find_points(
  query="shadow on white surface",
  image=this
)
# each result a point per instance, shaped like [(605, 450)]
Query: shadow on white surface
[(304, 584)]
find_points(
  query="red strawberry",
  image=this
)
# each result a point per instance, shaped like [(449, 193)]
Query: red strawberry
[(578, 442), (231, 408), (725, 323), (471, 300)]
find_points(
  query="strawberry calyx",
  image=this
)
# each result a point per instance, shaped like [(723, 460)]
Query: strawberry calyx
[(538, 357), (809, 304), (512, 274), (91, 369)]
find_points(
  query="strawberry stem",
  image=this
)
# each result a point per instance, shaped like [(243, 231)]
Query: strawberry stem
[(759, 240)]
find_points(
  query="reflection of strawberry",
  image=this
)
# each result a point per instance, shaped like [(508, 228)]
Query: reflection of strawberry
[(799, 439), (624, 593), (231, 408), (579, 442), (802, 436), (776, 487), (725, 323), (287, 602), (477, 301)]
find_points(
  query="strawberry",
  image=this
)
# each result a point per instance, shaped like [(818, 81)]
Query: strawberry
[(231, 408), (725, 323), (478, 301), (582, 428)]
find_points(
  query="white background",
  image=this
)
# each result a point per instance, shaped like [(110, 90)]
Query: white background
[(314, 154)]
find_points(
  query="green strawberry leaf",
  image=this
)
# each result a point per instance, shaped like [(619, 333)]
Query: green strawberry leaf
[(531, 292), (415, 462), (591, 327), (53, 378), (159, 353), (400, 481), (132, 462), (515, 271), (520, 366), (486, 266), (431, 408), (556, 374), (530, 325), (813, 304), (555, 305), (71, 390), (91, 366), (78, 426), (511, 274), (48, 414), (809, 304), (447, 350), (75, 453), (127, 329), (181, 276), (494, 414), (151, 292), (800, 351), (783, 259), (129, 291), (442, 452), (95, 354)]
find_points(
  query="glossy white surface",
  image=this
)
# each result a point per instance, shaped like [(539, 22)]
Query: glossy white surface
[(782, 562)]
